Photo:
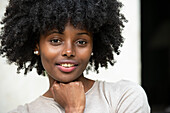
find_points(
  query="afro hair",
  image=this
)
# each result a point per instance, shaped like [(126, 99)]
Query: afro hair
[(25, 20)]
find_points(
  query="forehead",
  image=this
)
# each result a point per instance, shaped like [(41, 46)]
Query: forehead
[(68, 27)]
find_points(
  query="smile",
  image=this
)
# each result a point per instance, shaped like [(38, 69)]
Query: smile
[(67, 67)]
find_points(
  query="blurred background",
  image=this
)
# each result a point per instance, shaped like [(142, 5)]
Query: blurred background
[(144, 59), (155, 53)]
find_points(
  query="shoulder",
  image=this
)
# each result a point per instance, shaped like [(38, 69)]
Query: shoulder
[(126, 96), (42, 104), (121, 86), (20, 109), (25, 108)]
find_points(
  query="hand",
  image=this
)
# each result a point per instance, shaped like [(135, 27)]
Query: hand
[(70, 96)]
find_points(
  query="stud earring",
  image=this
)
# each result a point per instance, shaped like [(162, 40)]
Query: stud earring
[(36, 52), (92, 54)]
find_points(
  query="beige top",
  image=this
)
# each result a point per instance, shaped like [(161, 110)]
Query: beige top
[(120, 97)]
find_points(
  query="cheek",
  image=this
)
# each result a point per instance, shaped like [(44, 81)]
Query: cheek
[(85, 55), (48, 56), (45, 60)]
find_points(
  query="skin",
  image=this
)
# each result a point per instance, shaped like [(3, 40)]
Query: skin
[(67, 88)]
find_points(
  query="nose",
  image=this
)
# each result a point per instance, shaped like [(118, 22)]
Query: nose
[(68, 50)]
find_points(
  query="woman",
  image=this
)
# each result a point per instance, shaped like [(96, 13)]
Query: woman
[(60, 38)]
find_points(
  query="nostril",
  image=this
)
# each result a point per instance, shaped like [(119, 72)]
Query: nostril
[(68, 55), (64, 54)]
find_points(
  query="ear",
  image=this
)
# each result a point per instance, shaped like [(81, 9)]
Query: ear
[(37, 47), (37, 50)]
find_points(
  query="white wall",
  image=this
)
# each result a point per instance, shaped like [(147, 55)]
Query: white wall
[(19, 89), (128, 64)]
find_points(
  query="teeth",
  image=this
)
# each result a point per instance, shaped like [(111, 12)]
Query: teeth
[(67, 65)]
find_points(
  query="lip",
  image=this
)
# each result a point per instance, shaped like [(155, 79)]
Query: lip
[(66, 69), (67, 62)]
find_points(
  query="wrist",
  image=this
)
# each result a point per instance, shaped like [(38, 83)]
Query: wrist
[(74, 110)]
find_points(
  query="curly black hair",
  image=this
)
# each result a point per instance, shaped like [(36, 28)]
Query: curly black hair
[(25, 20)]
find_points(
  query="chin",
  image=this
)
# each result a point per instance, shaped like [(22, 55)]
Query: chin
[(67, 80)]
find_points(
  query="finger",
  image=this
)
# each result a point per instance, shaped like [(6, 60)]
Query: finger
[(75, 83), (79, 83), (56, 86), (62, 85)]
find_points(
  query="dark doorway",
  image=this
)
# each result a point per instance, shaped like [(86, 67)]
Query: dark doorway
[(155, 48)]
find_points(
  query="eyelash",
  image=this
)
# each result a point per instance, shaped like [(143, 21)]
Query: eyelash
[(55, 41), (81, 42), (58, 42)]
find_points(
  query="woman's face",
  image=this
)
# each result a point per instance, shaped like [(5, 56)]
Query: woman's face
[(65, 55)]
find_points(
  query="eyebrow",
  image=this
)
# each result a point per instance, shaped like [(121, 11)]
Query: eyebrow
[(83, 34), (54, 32)]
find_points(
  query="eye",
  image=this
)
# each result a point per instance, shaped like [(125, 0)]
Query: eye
[(81, 42), (55, 41)]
